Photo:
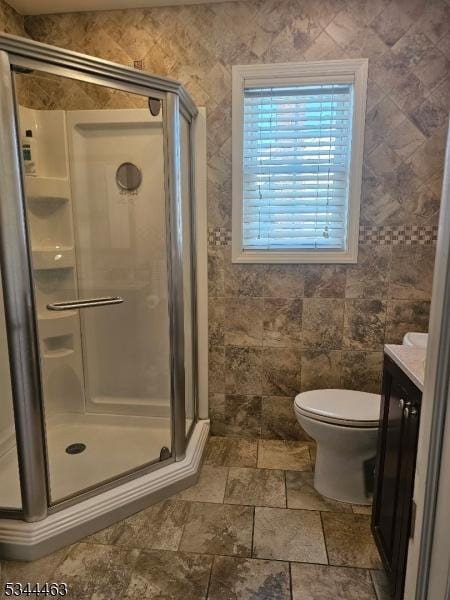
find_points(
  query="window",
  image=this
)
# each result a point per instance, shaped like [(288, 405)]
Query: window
[(298, 133)]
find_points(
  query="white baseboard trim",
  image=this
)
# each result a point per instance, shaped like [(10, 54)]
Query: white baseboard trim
[(20, 540)]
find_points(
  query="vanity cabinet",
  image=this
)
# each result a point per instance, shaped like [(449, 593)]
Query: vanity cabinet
[(394, 475)]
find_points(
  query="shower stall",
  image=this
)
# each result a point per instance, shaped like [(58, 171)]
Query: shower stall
[(102, 410)]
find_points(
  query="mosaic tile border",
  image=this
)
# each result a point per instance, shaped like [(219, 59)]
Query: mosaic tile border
[(398, 235), (219, 236), (387, 235)]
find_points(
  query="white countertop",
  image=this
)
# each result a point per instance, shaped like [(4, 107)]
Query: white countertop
[(411, 361)]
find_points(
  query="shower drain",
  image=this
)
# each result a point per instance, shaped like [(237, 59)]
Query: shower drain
[(77, 448)]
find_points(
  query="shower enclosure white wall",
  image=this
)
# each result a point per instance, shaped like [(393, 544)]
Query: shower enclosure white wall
[(103, 346), (133, 238)]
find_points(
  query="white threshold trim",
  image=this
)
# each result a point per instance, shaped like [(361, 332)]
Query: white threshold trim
[(20, 540)]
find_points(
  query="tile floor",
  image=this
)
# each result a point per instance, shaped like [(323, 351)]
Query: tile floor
[(253, 528)]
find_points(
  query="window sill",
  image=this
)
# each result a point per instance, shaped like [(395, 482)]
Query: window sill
[(294, 257)]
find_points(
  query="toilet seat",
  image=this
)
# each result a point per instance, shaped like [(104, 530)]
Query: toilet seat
[(347, 408)]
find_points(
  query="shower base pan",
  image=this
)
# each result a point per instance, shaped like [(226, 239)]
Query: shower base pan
[(111, 444), (20, 540)]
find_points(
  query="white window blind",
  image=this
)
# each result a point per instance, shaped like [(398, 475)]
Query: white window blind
[(296, 166)]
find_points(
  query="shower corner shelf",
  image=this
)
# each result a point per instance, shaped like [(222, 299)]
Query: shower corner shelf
[(53, 258), (57, 316), (55, 354), (53, 189), (54, 325)]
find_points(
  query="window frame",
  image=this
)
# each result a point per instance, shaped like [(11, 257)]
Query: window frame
[(317, 72)]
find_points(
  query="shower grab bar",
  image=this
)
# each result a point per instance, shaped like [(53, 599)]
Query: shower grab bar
[(88, 303)]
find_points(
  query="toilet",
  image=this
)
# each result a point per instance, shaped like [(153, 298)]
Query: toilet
[(344, 424)]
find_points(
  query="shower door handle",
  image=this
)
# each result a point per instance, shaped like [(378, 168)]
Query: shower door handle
[(88, 303)]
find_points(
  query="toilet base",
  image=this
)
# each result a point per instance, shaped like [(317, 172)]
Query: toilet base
[(341, 454), (341, 478)]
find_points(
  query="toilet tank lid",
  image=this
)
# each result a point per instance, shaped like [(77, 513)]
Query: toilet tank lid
[(341, 405)]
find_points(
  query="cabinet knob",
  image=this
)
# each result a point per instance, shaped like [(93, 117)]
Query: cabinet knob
[(401, 403)]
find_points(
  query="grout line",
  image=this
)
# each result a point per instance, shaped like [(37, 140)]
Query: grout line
[(183, 529), (238, 556), (253, 531), (291, 590), (210, 576), (273, 507), (277, 560), (373, 585), (285, 489), (324, 537), (388, 298), (344, 314), (226, 485), (69, 550)]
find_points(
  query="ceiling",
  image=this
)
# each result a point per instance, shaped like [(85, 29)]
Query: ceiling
[(40, 7)]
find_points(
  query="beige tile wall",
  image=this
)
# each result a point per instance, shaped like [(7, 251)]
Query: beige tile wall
[(277, 330), (10, 21)]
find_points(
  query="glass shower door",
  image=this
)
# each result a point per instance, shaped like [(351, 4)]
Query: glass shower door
[(94, 168), (9, 469)]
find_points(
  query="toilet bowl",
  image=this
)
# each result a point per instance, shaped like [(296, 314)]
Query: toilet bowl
[(344, 424)]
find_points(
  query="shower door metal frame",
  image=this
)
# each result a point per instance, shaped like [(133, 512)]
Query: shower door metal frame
[(23, 342), (194, 276)]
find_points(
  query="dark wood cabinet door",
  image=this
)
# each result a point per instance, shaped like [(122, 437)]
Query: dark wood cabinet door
[(396, 458), (405, 490), (388, 490)]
